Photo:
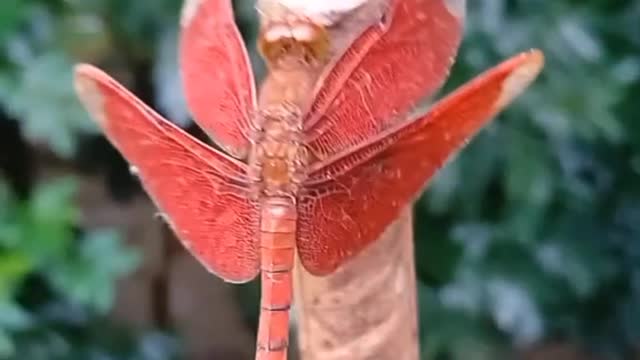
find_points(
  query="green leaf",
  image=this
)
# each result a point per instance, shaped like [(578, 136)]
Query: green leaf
[(13, 317), (88, 277), (43, 99), (7, 347), (46, 221), (11, 13), (14, 267)]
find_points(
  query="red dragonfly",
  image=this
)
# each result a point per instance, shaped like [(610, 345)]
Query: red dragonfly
[(318, 164)]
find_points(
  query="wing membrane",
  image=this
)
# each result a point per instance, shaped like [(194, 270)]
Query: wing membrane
[(217, 76), (384, 73), (202, 191), (354, 197)]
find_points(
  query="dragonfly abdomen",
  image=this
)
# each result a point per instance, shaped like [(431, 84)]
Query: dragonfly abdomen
[(277, 248)]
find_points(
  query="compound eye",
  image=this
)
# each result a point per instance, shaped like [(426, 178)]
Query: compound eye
[(276, 33), (306, 33), (304, 40)]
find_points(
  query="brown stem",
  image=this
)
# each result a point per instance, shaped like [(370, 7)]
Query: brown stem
[(365, 310)]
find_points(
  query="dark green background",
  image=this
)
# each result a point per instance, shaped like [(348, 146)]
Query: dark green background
[(530, 237)]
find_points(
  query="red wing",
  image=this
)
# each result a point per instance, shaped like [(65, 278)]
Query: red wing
[(202, 191), (217, 76), (349, 202), (384, 73)]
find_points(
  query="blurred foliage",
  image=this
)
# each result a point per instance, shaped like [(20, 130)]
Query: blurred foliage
[(40, 41), (55, 280), (532, 234)]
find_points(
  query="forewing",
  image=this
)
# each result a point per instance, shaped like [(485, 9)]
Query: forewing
[(385, 73), (216, 73), (351, 200), (201, 191)]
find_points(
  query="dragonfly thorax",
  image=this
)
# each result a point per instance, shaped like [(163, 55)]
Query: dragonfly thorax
[(278, 156), (295, 51)]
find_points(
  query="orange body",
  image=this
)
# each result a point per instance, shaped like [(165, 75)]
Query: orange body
[(278, 161), (277, 249)]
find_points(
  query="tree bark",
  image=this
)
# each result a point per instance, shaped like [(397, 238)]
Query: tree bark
[(365, 310)]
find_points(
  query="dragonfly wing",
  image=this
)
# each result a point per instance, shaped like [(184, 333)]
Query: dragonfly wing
[(201, 191), (384, 73), (350, 200), (217, 76)]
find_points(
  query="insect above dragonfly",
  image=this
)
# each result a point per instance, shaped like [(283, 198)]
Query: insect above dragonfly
[(322, 160)]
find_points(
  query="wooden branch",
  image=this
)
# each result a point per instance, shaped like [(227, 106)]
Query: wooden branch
[(367, 309)]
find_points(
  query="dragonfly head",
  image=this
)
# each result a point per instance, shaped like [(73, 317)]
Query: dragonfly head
[(294, 44)]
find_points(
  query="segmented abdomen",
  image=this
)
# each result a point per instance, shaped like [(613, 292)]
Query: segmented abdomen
[(277, 247)]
